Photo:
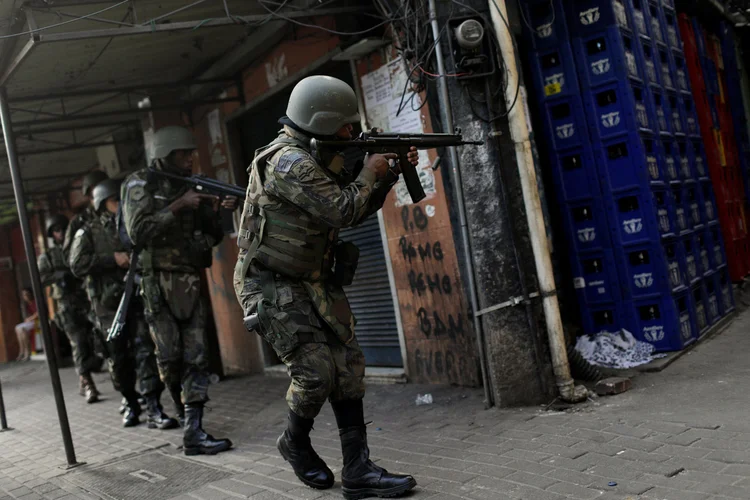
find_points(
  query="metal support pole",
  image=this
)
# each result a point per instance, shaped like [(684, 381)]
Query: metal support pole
[(36, 283), (3, 420)]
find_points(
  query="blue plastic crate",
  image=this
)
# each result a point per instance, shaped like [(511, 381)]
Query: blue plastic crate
[(713, 310), (648, 270), (567, 122), (717, 253), (665, 66), (595, 277), (654, 16), (693, 205), (690, 253), (547, 18), (586, 223), (669, 161), (638, 13), (592, 16), (650, 65), (576, 174), (680, 209), (678, 122), (706, 192), (668, 4), (680, 72), (700, 41), (654, 161), (687, 107), (702, 240), (633, 217), (623, 163), (683, 158), (670, 29), (698, 159), (613, 110), (724, 286), (662, 112), (665, 321), (665, 212), (700, 301), (554, 72), (607, 56), (602, 318)]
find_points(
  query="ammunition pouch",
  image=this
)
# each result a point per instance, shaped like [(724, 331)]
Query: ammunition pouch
[(201, 253), (347, 258)]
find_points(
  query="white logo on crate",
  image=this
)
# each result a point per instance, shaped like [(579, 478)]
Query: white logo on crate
[(685, 328), (644, 280), (653, 167), (620, 14), (630, 61), (642, 115), (691, 267), (663, 220), (633, 226), (601, 66), (671, 168), (579, 283), (587, 235), (566, 131), (558, 78), (612, 119), (544, 31), (590, 16), (653, 333)]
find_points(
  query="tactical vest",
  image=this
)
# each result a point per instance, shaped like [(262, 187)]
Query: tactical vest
[(174, 249), (68, 287), (286, 241), (105, 288)]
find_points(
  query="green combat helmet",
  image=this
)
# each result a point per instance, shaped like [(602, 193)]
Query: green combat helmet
[(90, 181), (52, 221), (322, 105), (172, 138), (105, 190)]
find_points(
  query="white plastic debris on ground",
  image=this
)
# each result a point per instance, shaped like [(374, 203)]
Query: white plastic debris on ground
[(616, 350)]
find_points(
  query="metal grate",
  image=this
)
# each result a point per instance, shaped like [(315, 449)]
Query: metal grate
[(146, 476)]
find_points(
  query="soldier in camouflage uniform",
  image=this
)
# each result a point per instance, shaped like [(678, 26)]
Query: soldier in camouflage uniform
[(71, 305), (99, 256), (177, 228), (291, 270)]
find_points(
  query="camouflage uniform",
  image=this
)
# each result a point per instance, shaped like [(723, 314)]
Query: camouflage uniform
[(176, 249), (71, 307), (299, 206), (92, 256)]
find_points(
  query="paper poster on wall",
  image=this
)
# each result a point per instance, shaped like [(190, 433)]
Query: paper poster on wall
[(391, 106), (215, 130)]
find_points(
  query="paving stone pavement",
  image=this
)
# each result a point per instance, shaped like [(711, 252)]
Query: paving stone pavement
[(683, 434)]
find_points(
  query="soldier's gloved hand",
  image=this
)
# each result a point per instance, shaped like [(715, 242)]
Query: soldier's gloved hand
[(193, 199), (229, 203), (122, 259), (380, 164)]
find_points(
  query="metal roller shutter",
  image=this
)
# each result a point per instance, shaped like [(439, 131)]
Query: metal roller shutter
[(370, 297)]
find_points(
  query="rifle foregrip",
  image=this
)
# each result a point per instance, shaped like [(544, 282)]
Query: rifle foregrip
[(411, 179)]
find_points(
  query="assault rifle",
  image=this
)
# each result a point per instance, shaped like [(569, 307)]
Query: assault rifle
[(203, 184), (131, 281), (374, 141)]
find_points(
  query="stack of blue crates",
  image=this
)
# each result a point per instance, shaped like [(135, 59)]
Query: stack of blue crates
[(629, 166)]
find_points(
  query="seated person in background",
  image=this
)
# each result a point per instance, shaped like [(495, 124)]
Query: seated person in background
[(25, 329)]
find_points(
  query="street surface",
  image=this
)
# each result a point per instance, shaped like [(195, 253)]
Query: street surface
[(682, 434)]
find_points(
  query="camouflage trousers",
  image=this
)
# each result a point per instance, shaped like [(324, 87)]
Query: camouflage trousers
[(132, 356), (320, 371), (178, 324), (75, 324)]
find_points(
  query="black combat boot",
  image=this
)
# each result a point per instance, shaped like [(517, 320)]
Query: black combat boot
[(130, 417), (157, 419), (123, 406), (179, 408), (195, 440), (360, 478), (92, 394), (295, 446)]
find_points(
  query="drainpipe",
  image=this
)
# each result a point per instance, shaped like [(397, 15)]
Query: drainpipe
[(520, 134), (447, 114)]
